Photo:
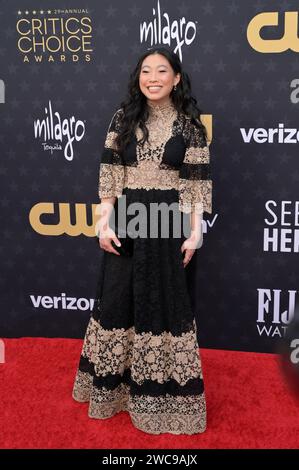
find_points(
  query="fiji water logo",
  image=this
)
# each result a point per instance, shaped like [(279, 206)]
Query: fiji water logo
[(163, 31), (57, 133)]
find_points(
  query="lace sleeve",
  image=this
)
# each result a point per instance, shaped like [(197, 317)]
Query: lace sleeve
[(111, 173), (195, 184)]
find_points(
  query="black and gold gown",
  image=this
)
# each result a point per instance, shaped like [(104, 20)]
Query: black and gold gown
[(140, 352)]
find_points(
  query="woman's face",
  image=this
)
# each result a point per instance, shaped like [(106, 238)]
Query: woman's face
[(157, 78)]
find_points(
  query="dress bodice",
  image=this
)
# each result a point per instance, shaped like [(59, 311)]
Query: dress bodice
[(175, 156), (159, 125)]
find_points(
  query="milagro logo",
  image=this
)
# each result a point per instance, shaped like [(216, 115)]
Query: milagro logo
[(162, 31), (62, 302), (275, 311), (55, 131)]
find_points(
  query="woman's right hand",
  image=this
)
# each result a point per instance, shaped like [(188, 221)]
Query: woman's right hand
[(106, 238)]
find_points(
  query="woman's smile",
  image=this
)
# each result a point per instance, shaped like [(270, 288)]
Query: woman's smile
[(154, 88)]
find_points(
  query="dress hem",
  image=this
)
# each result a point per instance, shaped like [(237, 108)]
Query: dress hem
[(136, 422)]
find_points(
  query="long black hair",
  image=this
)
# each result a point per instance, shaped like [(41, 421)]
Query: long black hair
[(135, 109)]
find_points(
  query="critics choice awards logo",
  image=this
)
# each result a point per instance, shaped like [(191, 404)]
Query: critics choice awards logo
[(54, 35)]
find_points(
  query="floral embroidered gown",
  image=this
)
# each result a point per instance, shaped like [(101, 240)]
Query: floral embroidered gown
[(140, 352)]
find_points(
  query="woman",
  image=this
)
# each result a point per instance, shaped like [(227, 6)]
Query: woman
[(140, 352)]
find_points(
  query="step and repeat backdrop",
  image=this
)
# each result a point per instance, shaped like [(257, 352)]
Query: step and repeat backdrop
[(64, 70)]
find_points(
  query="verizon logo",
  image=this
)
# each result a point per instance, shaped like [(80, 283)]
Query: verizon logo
[(61, 302)]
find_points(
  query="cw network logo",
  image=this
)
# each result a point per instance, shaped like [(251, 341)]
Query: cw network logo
[(62, 302), (162, 31), (72, 219), (288, 40)]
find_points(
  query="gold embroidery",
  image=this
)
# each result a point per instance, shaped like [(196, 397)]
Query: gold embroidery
[(110, 140), (82, 386), (197, 155), (111, 173), (151, 414), (148, 175), (159, 124), (150, 357), (111, 180), (195, 195)]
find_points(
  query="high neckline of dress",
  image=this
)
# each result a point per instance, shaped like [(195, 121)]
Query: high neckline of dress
[(164, 109)]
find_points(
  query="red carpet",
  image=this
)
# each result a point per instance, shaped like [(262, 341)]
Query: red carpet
[(249, 404)]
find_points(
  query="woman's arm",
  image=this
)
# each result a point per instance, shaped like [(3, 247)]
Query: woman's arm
[(195, 185), (111, 179), (196, 224)]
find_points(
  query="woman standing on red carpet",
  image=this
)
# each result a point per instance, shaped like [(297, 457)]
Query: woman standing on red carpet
[(140, 352)]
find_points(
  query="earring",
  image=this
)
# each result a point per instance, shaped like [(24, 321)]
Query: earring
[(174, 87)]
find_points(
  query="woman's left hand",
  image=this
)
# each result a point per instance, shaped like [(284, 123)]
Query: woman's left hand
[(189, 246)]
